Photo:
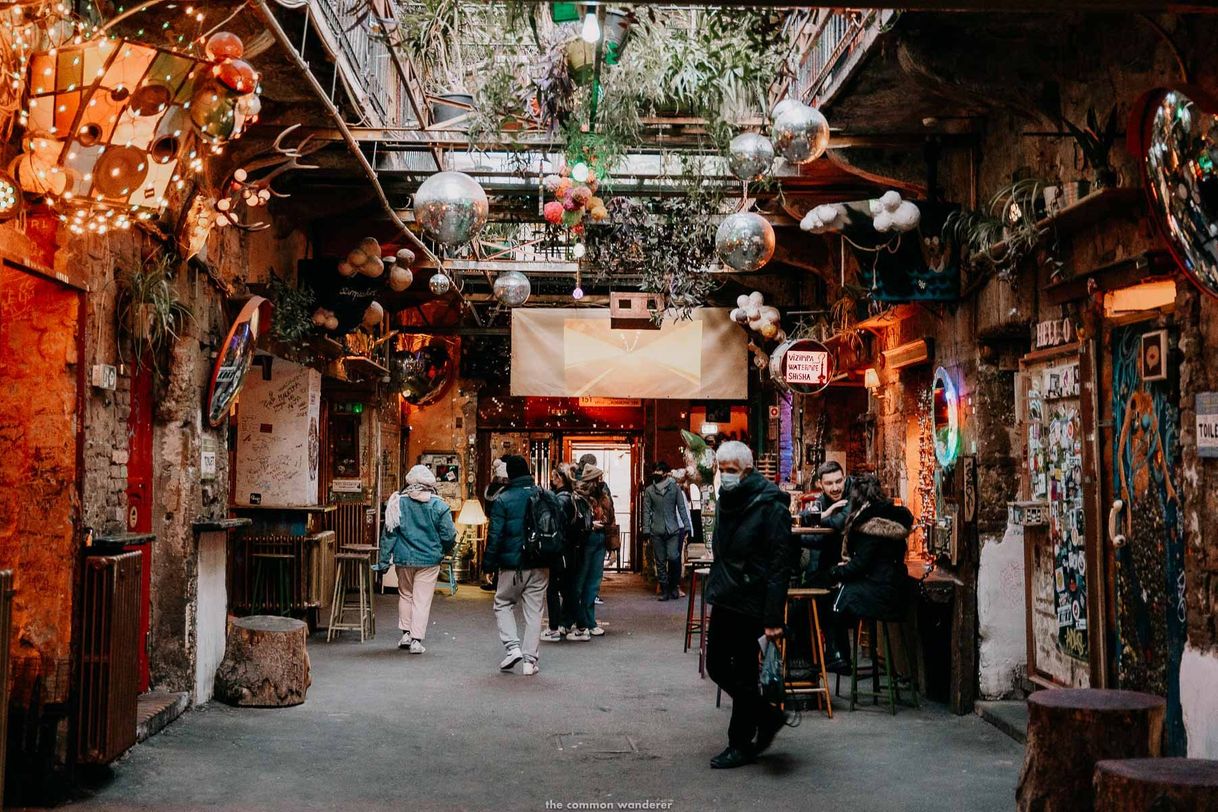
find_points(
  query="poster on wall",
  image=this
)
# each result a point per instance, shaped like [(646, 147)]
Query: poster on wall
[(446, 465), (1055, 464)]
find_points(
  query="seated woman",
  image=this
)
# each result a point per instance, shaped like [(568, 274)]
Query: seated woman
[(874, 580)]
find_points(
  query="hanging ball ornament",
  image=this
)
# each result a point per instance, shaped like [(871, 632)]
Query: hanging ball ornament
[(800, 133), (249, 105), (405, 257), (237, 75), (512, 288), (224, 45), (213, 112), (439, 284), (745, 241), (374, 315), (451, 207), (750, 156), (400, 278)]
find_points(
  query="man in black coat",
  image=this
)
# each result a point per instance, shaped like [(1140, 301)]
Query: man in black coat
[(830, 511), (747, 590)]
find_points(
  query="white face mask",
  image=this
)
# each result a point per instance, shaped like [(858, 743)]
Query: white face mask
[(728, 481)]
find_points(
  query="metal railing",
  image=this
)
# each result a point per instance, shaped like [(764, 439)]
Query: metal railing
[(823, 43), (375, 78)]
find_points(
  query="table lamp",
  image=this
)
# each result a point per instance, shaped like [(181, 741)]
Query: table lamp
[(471, 513)]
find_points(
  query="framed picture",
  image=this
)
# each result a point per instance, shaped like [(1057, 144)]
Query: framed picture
[(446, 465), (1152, 360)]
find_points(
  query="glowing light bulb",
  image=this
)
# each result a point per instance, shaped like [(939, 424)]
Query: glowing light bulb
[(579, 172), (577, 294), (578, 250), (591, 32)]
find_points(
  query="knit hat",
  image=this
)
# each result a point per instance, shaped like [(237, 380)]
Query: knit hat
[(516, 466), (421, 475), (499, 469), (590, 473)]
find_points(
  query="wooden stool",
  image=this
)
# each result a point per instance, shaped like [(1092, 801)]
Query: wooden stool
[(371, 552), (1156, 783), (280, 583), (820, 686), (692, 626), (266, 663), (345, 565), (876, 630), (1071, 729)]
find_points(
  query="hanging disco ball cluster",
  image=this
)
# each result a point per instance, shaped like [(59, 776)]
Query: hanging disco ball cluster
[(113, 125), (452, 208)]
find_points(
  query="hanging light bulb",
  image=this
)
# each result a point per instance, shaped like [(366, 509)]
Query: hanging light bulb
[(577, 294), (579, 172), (578, 250), (591, 32)]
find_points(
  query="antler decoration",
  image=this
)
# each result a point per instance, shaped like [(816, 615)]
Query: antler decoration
[(256, 193)]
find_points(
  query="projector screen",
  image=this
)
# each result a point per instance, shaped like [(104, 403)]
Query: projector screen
[(574, 353)]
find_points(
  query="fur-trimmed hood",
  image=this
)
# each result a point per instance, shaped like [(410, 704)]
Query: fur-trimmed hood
[(884, 528), (883, 520)]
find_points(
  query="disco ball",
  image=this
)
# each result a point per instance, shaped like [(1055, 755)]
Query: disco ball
[(421, 368), (440, 284), (800, 133), (451, 207), (745, 241), (750, 156), (512, 288)]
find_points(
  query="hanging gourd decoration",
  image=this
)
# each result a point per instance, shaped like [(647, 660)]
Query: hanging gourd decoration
[(224, 45), (800, 133), (405, 257), (237, 75), (512, 288), (399, 278), (439, 284), (372, 265), (451, 207), (374, 315), (750, 156), (213, 112), (745, 241)]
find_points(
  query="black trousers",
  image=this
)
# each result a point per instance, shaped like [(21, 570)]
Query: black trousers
[(733, 662), (558, 593)]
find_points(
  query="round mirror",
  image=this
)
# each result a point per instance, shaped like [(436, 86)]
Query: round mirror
[(236, 356), (1179, 149), (946, 406)]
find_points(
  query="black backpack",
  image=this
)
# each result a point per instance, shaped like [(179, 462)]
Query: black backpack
[(544, 529)]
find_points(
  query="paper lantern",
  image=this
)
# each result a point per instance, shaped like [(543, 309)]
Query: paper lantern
[(224, 45)]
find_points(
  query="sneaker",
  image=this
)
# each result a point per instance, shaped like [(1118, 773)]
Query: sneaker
[(551, 635), (562, 629), (730, 758), (405, 641), (509, 662), (598, 601), (596, 631), (579, 635), (416, 647), (664, 596), (530, 669)]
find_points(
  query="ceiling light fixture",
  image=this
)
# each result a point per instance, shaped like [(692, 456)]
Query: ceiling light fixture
[(591, 32)]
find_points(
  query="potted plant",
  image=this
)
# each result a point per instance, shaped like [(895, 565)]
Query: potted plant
[(437, 33), (1096, 142), (149, 309)]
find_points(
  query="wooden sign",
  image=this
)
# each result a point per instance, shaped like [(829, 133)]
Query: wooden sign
[(1054, 333), (969, 471)]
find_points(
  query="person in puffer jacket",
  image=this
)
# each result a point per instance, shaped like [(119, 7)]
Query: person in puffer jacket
[(418, 533)]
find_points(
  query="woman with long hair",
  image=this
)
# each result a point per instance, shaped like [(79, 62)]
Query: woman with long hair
[(558, 592)]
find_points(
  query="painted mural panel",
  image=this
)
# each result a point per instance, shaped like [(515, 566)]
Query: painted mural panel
[(277, 435), (1150, 594)]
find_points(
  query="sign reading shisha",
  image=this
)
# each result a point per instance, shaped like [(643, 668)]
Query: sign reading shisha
[(802, 365)]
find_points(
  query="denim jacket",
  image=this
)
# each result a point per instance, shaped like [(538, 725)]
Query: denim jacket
[(426, 534)]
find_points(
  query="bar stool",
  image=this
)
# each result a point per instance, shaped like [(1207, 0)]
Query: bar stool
[(697, 575), (280, 566), (877, 629), (348, 564), (371, 552), (820, 686)]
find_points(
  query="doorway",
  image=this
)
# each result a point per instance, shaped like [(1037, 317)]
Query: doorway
[(617, 457)]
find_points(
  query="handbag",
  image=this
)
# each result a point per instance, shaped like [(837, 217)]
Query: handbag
[(613, 540), (770, 680)]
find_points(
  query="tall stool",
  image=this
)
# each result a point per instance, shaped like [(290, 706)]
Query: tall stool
[(692, 626), (819, 687), (370, 552), (877, 629), (280, 567), (348, 564)]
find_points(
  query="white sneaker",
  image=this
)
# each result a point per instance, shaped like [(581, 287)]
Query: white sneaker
[(416, 647), (578, 634), (552, 635), (596, 631), (509, 662), (562, 629), (530, 669), (405, 641)]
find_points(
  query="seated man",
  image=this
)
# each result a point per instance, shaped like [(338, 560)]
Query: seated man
[(829, 510)]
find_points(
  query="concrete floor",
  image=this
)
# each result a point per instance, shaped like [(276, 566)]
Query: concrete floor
[(621, 719)]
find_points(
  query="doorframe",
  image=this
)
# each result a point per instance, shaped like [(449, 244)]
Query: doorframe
[(633, 439)]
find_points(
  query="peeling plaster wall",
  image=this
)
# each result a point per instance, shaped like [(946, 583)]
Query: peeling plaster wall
[(1198, 676)]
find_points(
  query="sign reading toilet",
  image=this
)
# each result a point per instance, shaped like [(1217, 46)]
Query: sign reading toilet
[(1207, 424)]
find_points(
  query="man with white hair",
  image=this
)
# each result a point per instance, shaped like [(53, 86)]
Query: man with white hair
[(747, 590), (418, 533)]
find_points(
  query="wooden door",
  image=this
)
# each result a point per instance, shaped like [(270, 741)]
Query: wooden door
[(1146, 535), (139, 497)]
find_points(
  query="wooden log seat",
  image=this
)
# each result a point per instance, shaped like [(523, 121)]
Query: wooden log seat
[(1071, 729), (1143, 784), (266, 663)]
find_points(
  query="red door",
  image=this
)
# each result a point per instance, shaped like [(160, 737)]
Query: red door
[(139, 497)]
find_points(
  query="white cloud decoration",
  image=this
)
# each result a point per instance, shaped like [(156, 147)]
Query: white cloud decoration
[(891, 213), (823, 218)]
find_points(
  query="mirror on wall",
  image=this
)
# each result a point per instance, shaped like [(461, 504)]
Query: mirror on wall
[(946, 406), (1179, 155), (236, 356)]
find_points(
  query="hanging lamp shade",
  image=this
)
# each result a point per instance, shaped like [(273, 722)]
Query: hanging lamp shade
[(471, 513)]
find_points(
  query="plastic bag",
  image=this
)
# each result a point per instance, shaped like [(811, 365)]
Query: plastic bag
[(770, 681)]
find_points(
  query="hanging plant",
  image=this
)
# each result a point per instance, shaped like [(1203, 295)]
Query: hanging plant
[(1003, 234), (149, 310), (292, 322)]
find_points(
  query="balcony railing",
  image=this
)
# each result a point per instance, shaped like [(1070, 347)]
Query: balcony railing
[(378, 81), (828, 43)]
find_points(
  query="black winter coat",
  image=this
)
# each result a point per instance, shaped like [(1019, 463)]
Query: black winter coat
[(752, 547), (875, 581)]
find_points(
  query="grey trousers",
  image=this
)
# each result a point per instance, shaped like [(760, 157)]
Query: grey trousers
[(666, 550), (525, 590)]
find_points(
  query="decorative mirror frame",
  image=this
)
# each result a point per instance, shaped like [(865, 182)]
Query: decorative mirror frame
[(235, 358), (1139, 142), (947, 442)]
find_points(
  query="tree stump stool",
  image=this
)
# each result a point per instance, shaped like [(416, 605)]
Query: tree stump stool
[(1141, 784), (266, 664), (1069, 730)]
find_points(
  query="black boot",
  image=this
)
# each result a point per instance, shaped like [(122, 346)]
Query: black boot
[(730, 758)]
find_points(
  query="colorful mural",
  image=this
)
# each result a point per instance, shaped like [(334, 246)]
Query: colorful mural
[(1150, 565)]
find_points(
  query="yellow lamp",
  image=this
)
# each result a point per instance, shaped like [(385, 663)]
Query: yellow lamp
[(471, 513)]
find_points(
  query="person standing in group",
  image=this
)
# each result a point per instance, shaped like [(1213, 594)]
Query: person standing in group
[(499, 479), (418, 533), (665, 518), (830, 510), (558, 594), (522, 584), (747, 591), (592, 492)]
